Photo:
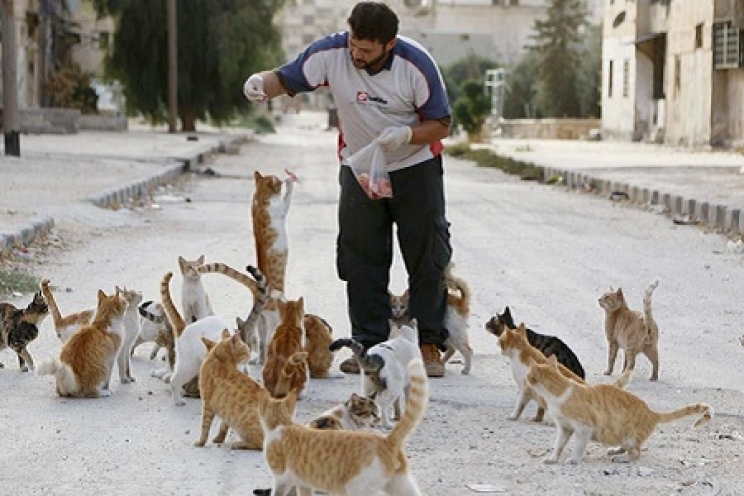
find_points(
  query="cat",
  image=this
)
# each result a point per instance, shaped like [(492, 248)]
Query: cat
[(194, 298), (548, 345), (64, 326), (269, 214), (353, 463), (229, 393), (515, 345), (189, 350), (86, 362), (356, 413), (601, 412), (19, 327), (318, 337), (154, 327), (385, 365), (455, 320), (633, 332), (286, 359), (132, 327)]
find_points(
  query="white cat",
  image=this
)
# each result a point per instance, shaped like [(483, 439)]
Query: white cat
[(132, 328), (385, 366), (194, 299), (153, 324)]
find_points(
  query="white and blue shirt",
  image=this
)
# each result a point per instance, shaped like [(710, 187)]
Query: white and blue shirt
[(408, 90)]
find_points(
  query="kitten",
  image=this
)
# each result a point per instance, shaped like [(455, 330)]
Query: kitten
[(269, 214), (229, 393), (64, 326), (384, 366), (154, 327), (286, 361), (19, 327), (601, 412), (455, 319), (86, 362), (132, 327), (633, 332), (353, 463), (355, 414), (548, 345), (194, 298)]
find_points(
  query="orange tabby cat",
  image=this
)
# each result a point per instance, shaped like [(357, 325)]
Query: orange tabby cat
[(87, 359), (285, 357), (318, 336), (514, 344), (194, 298), (229, 393), (601, 412), (64, 326), (633, 332), (353, 463), (269, 213)]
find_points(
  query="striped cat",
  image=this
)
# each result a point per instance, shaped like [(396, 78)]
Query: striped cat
[(548, 345), (64, 326)]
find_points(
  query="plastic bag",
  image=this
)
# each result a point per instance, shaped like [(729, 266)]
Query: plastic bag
[(368, 165)]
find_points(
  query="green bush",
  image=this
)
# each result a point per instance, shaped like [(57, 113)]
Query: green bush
[(484, 157)]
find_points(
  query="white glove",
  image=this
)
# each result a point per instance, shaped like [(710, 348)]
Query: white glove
[(392, 138), (253, 88)]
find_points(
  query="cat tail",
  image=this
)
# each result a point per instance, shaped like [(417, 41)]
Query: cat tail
[(235, 275), (648, 316), (418, 398), (368, 363), (66, 380), (294, 366), (144, 311), (176, 321), (459, 285), (261, 297), (705, 411), (624, 379)]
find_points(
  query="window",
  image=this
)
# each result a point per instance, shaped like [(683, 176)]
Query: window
[(726, 46), (699, 36), (609, 80)]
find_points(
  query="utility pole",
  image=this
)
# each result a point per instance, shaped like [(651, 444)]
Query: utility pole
[(172, 68), (11, 122)]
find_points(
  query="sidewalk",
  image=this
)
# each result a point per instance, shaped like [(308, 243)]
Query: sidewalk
[(106, 169), (103, 168)]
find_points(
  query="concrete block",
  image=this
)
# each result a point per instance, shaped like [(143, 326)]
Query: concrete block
[(733, 216), (716, 216)]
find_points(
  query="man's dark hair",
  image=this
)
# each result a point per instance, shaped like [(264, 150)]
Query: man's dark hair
[(373, 21)]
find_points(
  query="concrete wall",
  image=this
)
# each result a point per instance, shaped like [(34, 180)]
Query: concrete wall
[(50, 121), (548, 128)]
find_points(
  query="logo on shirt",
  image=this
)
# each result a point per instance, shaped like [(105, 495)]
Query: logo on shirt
[(364, 97)]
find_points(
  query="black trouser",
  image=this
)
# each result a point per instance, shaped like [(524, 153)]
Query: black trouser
[(364, 251)]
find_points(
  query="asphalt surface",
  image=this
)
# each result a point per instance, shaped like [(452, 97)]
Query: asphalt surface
[(107, 169)]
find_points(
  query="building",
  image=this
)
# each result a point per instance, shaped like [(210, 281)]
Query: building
[(672, 71)]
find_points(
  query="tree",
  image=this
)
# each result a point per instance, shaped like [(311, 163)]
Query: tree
[(521, 89), (557, 46), (589, 81), (472, 108), (219, 43), (471, 67)]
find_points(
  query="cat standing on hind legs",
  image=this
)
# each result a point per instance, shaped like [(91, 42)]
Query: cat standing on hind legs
[(633, 332)]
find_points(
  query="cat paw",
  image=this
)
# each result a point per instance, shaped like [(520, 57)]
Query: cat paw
[(104, 393), (24, 369), (607, 372), (512, 417), (200, 443), (180, 403), (573, 461), (550, 461), (127, 380)]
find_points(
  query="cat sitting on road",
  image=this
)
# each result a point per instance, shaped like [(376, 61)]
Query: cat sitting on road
[(356, 413), (194, 298), (87, 359), (602, 412), (286, 359), (548, 345), (633, 332)]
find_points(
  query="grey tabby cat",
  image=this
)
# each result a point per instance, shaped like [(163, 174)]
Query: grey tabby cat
[(18, 327)]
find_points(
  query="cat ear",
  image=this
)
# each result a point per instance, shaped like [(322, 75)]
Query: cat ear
[(413, 323), (507, 311), (522, 330), (208, 343), (200, 260), (225, 334), (372, 396), (101, 295), (553, 361)]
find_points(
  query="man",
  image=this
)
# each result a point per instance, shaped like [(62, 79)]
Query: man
[(387, 88)]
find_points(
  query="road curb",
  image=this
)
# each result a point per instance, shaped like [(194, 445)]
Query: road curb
[(722, 218), (121, 195)]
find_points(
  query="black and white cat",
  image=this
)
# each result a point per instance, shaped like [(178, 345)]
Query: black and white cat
[(385, 366), (548, 345), (19, 327)]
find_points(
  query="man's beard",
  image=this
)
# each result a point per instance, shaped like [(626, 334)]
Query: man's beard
[(372, 63)]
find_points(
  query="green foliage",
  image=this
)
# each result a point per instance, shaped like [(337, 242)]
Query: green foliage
[(557, 46), (589, 73), (467, 68), (484, 157), (16, 281), (521, 88), (473, 107), (220, 43), (260, 123)]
